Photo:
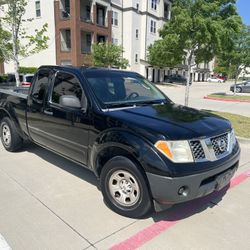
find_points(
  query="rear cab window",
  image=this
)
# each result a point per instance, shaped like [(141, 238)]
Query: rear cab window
[(41, 84)]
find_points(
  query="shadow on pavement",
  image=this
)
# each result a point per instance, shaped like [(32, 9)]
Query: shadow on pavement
[(184, 210), (62, 163)]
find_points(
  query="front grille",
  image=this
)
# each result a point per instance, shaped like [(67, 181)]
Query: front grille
[(213, 148), (220, 144), (197, 150)]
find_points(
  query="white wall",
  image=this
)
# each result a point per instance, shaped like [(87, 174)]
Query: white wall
[(47, 56)]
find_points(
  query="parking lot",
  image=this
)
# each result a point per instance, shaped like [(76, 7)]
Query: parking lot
[(200, 89), (48, 202)]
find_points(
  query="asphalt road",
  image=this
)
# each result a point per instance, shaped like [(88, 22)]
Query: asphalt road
[(200, 89), (47, 202)]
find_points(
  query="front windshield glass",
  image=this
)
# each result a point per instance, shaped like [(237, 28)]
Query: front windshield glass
[(114, 89)]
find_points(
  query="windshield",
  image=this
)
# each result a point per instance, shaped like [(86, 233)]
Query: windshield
[(117, 89)]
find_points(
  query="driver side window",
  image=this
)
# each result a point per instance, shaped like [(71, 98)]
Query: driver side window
[(66, 84)]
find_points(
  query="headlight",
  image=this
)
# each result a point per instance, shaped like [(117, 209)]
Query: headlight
[(176, 151), (233, 138)]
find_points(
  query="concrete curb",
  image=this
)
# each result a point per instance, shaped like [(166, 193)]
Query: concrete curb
[(224, 100), (243, 140)]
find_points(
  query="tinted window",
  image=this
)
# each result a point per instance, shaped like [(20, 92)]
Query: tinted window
[(41, 84), (29, 78), (66, 84)]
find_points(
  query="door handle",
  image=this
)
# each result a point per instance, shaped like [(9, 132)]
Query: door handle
[(47, 112)]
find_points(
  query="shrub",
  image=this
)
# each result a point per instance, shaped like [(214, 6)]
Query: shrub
[(27, 70)]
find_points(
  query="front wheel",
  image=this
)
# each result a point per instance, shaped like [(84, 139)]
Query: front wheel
[(10, 138), (124, 188)]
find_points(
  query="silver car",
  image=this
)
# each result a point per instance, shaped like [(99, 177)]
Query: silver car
[(241, 87)]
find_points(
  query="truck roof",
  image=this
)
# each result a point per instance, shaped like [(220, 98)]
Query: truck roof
[(83, 69)]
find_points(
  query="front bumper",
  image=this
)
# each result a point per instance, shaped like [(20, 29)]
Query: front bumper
[(172, 190)]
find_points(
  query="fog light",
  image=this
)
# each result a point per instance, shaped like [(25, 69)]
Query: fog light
[(183, 191)]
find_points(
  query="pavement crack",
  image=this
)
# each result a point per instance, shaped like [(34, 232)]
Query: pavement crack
[(117, 231), (54, 213)]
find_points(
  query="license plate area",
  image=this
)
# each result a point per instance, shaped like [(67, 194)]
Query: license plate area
[(223, 179)]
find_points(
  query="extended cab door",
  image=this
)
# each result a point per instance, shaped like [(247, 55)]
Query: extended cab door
[(35, 105), (66, 128)]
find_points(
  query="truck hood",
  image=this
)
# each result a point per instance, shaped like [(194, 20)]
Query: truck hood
[(171, 121)]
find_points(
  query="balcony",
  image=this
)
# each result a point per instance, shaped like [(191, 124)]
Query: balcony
[(86, 11)]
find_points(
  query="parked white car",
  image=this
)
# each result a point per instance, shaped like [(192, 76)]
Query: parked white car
[(214, 79)]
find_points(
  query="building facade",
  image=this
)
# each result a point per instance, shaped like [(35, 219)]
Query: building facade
[(74, 25)]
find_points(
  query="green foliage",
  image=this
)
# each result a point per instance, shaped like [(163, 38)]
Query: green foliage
[(109, 55), (5, 45), (27, 70), (236, 58), (3, 78), (199, 28)]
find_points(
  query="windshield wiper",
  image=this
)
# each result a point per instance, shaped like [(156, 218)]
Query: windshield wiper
[(120, 104), (150, 102)]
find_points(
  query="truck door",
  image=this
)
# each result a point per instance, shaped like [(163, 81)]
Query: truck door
[(66, 128), (35, 105)]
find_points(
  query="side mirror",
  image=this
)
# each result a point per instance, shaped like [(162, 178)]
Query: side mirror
[(70, 101)]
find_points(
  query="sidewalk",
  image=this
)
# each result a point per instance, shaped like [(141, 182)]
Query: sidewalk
[(47, 202)]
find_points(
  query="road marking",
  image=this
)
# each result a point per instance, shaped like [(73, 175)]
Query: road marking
[(176, 216), (3, 244)]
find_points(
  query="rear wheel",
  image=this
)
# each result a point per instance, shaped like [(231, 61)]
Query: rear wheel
[(11, 140), (124, 188), (238, 90)]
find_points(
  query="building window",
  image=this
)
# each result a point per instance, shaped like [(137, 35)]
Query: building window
[(166, 10), (114, 40), (137, 7), (65, 40), (153, 26), (38, 8), (101, 13), (136, 58), (154, 4), (65, 9), (136, 33), (101, 39), (114, 18), (86, 42)]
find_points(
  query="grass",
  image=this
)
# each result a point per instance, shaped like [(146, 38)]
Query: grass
[(231, 97), (241, 124)]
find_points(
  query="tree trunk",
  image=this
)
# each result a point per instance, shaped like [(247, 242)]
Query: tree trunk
[(15, 53), (188, 80), (236, 80)]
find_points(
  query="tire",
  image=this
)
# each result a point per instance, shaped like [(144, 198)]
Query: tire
[(10, 138), (238, 90), (124, 188)]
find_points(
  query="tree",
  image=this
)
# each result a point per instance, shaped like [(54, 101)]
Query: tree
[(5, 44), (196, 33), (22, 44), (236, 58), (109, 55)]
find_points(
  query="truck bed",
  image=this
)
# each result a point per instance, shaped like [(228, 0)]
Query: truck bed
[(15, 91)]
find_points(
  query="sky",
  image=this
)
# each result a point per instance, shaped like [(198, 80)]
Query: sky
[(244, 10)]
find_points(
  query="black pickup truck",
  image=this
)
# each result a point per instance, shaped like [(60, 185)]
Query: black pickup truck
[(145, 150)]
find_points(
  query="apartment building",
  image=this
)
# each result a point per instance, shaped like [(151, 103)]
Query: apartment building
[(135, 26), (74, 25)]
